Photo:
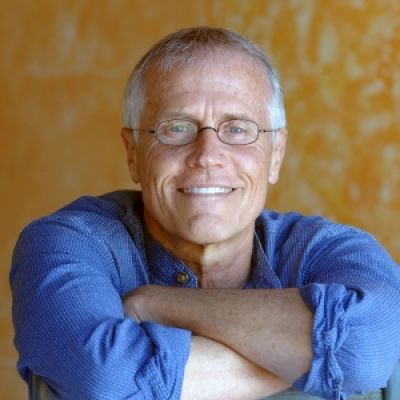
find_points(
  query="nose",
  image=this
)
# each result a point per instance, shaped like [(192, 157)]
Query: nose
[(207, 150)]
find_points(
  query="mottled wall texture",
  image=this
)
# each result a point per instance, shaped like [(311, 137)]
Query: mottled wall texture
[(63, 67)]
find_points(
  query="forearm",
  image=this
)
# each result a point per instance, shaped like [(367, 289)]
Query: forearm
[(214, 372), (271, 328)]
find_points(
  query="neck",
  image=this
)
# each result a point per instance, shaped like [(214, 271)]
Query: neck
[(225, 264), (220, 266)]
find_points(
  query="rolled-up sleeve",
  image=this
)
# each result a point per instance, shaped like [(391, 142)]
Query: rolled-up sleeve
[(70, 326), (353, 288)]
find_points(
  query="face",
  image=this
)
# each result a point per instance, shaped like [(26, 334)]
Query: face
[(205, 192)]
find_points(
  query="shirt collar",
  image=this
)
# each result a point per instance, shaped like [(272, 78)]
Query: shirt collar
[(166, 269), (262, 275)]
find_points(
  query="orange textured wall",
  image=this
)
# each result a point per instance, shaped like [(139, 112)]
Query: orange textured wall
[(63, 67)]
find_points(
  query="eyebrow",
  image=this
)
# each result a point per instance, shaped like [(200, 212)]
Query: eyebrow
[(227, 116), (176, 115)]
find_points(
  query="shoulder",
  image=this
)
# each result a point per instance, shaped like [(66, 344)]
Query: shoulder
[(92, 213), (298, 246), (283, 227), (293, 233), (108, 207), (90, 233), (96, 222)]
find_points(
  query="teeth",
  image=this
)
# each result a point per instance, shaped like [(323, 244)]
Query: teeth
[(207, 190)]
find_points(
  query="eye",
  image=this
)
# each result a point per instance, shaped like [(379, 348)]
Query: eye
[(179, 128), (176, 132), (237, 129)]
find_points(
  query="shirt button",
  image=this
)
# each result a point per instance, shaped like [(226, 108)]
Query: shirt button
[(182, 278)]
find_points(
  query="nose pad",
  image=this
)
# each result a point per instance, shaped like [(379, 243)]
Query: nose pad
[(207, 127), (206, 152), (204, 137)]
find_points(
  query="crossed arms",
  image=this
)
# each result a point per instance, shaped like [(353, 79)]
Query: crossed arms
[(270, 328)]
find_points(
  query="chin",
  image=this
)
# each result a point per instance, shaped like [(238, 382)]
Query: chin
[(208, 233)]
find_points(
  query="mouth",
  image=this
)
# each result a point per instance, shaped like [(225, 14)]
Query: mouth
[(207, 191)]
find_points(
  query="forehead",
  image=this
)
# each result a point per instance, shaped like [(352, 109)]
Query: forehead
[(227, 81)]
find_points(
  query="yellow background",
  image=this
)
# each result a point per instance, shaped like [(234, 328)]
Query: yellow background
[(64, 64)]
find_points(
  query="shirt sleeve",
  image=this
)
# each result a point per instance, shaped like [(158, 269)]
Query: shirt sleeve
[(353, 288), (70, 326)]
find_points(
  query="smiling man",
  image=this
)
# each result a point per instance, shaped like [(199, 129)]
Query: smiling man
[(205, 167), (189, 289)]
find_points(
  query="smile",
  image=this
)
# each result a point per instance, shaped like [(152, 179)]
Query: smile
[(207, 190)]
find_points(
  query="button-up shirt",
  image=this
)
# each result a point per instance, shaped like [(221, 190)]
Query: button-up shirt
[(71, 270)]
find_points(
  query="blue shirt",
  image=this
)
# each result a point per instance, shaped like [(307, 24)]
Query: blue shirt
[(71, 269)]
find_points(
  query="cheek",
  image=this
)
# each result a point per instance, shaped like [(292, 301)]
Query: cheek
[(156, 164), (255, 164)]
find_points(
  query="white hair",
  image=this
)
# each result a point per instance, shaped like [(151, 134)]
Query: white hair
[(183, 48)]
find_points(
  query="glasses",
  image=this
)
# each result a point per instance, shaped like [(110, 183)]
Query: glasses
[(178, 132)]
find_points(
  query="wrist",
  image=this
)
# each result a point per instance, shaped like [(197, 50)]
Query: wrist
[(145, 303)]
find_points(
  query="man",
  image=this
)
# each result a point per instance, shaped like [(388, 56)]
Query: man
[(152, 295)]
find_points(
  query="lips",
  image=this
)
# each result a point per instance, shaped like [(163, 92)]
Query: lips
[(207, 190)]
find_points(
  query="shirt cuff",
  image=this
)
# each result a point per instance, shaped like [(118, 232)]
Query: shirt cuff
[(162, 376), (328, 302)]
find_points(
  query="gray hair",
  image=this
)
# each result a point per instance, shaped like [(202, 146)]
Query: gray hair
[(182, 48)]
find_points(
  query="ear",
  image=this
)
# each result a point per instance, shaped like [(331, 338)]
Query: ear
[(130, 147), (278, 152)]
